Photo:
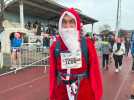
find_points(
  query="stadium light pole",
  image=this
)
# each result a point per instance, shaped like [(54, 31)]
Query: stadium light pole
[(21, 13), (118, 18)]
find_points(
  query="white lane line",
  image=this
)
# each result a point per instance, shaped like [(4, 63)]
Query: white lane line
[(23, 84), (122, 85)]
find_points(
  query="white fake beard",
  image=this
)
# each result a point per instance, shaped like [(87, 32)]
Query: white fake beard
[(70, 38)]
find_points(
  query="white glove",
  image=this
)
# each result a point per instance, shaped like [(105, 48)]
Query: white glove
[(74, 87)]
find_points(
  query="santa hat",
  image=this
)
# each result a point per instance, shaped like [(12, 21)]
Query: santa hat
[(17, 34), (71, 12)]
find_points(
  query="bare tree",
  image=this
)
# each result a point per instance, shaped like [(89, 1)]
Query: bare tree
[(104, 27)]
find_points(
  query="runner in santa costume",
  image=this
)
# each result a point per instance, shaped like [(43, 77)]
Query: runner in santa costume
[(74, 68)]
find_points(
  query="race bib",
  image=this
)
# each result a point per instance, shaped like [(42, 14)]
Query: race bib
[(71, 60), (14, 50)]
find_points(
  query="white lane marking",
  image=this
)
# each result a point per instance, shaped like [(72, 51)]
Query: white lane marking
[(122, 84), (23, 84)]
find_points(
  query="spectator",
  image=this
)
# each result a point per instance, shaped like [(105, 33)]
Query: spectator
[(38, 44), (29, 25), (39, 29), (46, 41), (16, 42)]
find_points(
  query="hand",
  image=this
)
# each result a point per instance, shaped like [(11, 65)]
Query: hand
[(74, 87)]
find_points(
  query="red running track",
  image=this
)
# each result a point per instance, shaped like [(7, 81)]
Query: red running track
[(33, 84), (27, 84)]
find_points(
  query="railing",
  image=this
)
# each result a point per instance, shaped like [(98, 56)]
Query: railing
[(30, 55), (33, 54)]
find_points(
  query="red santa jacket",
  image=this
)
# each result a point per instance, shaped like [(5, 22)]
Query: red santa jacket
[(91, 87), (94, 79)]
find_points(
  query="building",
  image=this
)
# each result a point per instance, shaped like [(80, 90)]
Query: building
[(17, 13)]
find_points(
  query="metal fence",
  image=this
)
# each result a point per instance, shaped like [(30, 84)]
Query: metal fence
[(31, 55)]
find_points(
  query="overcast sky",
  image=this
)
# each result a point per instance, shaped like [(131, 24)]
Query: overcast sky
[(105, 11)]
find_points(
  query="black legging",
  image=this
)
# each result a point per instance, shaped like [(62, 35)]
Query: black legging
[(118, 60), (105, 60), (133, 62)]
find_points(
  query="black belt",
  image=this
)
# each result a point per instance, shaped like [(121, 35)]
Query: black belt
[(68, 81), (76, 76)]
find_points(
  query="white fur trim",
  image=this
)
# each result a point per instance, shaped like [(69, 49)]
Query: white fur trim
[(61, 18)]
